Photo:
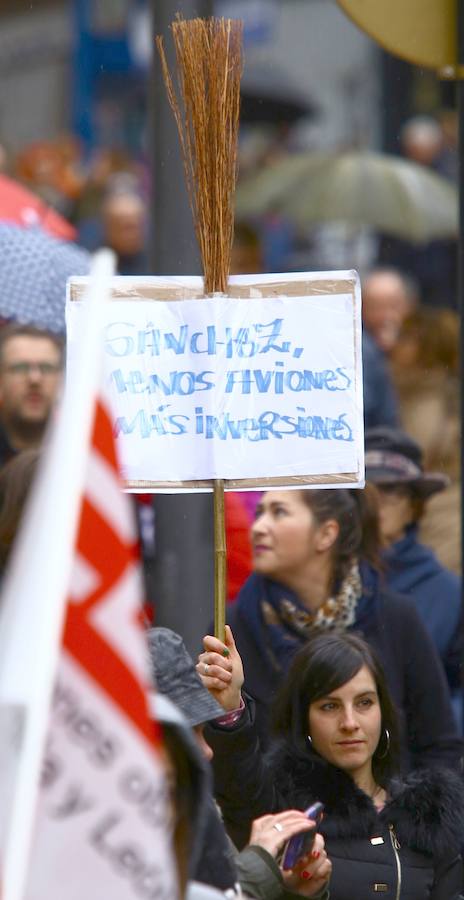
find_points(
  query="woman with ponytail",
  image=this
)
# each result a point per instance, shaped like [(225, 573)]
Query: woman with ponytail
[(315, 561)]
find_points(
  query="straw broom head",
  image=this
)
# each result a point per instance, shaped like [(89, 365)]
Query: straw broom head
[(206, 106)]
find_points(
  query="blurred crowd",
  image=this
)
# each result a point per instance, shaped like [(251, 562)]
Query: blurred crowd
[(401, 538), (411, 340), (104, 197), (411, 330)]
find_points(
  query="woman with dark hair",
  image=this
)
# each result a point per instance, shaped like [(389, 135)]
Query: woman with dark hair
[(315, 560), (319, 669), (338, 744)]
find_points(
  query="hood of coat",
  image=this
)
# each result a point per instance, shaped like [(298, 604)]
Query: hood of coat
[(211, 860), (426, 809), (195, 773)]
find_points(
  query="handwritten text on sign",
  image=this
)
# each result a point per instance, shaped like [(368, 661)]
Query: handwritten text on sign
[(227, 388)]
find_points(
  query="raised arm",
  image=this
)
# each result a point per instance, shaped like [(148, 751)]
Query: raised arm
[(221, 671), (243, 784)]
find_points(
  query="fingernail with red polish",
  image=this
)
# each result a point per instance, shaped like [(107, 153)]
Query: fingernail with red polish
[(306, 875), (316, 854)]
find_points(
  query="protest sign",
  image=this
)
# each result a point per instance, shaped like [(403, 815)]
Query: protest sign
[(261, 387)]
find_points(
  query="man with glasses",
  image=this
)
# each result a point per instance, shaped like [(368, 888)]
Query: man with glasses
[(31, 368)]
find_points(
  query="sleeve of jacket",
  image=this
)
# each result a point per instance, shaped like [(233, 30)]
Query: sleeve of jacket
[(242, 783), (258, 874), (448, 882), (433, 738), (260, 877), (453, 659)]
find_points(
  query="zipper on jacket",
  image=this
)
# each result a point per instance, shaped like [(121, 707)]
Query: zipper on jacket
[(396, 846)]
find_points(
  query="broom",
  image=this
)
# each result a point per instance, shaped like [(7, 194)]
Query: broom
[(206, 106)]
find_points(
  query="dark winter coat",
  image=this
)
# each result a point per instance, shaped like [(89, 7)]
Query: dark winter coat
[(410, 850), (413, 569), (415, 676), (214, 862), (420, 828), (380, 400), (6, 450)]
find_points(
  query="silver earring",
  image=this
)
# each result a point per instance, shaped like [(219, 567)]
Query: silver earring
[(309, 739), (387, 738)]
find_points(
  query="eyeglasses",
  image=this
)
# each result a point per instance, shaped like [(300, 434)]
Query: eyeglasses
[(24, 369)]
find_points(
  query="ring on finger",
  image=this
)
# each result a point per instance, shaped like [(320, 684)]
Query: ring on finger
[(278, 826), (206, 667)]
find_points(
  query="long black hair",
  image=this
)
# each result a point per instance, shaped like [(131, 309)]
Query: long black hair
[(324, 664)]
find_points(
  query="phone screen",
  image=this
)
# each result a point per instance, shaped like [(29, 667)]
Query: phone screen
[(300, 844)]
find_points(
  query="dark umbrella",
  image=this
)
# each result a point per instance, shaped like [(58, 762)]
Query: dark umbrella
[(34, 269), (267, 96)]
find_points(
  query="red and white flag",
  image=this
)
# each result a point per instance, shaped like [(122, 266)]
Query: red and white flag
[(85, 809)]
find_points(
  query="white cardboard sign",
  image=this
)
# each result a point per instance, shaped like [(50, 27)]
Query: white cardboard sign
[(237, 389)]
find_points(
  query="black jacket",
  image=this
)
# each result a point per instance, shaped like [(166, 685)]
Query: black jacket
[(415, 676), (410, 850), (213, 860)]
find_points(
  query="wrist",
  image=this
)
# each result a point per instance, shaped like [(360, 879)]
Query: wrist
[(232, 715), (234, 703)]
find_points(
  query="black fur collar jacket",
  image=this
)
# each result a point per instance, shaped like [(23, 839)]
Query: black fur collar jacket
[(408, 851)]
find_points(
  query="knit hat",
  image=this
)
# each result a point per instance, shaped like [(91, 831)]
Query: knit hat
[(392, 457), (176, 677)]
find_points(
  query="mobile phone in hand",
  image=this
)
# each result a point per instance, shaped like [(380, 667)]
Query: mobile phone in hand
[(300, 844)]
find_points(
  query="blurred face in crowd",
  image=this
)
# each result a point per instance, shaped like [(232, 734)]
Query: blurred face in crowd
[(422, 140), (124, 222), (285, 536), (345, 726), (396, 511), (385, 305), (30, 379)]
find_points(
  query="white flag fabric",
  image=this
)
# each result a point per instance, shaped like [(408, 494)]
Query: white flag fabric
[(103, 818), (74, 677)]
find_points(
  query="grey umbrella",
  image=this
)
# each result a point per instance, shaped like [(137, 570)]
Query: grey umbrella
[(386, 192), (34, 269)]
